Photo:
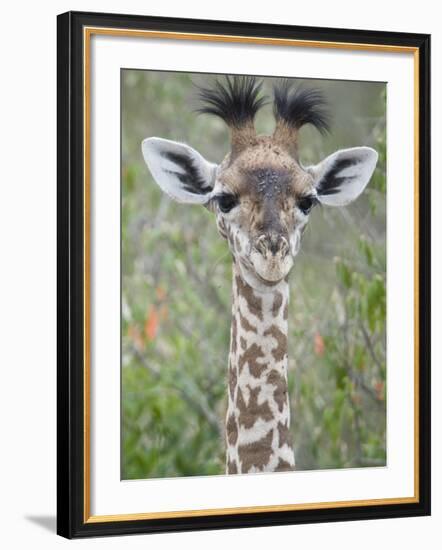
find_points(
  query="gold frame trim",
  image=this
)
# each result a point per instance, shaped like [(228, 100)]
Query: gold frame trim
[(88, 32)]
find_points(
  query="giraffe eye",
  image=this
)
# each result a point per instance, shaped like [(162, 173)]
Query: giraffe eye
[(305, 204), (226, 202)]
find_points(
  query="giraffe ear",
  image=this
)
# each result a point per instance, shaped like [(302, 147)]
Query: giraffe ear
[(341, 177), (179, 170)]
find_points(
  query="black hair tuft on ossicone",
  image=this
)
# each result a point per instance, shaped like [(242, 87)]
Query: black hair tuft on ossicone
[(236, 100), (297, 107)]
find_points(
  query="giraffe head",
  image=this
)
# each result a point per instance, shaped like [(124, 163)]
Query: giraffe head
[(260, 194)]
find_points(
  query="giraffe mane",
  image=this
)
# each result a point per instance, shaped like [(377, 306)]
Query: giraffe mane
[(236, 100), (297, 107)]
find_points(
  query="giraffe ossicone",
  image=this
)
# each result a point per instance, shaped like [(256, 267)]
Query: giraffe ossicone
[(261, 197)]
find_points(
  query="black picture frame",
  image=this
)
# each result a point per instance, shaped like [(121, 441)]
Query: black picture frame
[(71, 517)]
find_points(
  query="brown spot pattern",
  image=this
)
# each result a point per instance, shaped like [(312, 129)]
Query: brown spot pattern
[(277, 303), (234, 335), (233, 380), (248, 414), (281, 349), (221, 228), (284, 435), (251, 356), (232, 430), (256, 454), (229, 234), (246, 325), (286, 311), (232, 468), (283, 466), (280, 393), (254, 302), (243, 343), (238, 244)]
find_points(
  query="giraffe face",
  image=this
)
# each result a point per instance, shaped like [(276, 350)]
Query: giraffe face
[(260, 194), (261, 198), (262, 201)]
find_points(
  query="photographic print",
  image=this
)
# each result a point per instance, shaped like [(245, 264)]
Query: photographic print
[(243, 274), (253, 226)]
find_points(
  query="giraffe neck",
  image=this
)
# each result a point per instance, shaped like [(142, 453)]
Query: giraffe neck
[(258, 412)]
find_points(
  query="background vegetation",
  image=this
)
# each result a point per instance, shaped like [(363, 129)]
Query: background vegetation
[(176, 288)]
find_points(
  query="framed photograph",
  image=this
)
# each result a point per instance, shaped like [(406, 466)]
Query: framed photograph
[(243, 274)]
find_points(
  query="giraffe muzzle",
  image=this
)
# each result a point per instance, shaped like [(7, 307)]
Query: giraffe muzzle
[(272, 246), (270, 257)]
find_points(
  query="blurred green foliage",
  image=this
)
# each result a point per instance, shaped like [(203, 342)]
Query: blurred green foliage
[(176, 288)]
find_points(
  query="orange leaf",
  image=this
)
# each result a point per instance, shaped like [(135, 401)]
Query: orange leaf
[(161, 293), (151, 323), (379, 389), (135, 335), (319, 345)]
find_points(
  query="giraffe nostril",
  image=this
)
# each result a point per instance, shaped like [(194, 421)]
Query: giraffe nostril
[(272, 244), (283, 246), (261, 245)]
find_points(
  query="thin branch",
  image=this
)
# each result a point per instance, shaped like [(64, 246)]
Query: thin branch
[(369, 345), (201, 407), (211, 291), (362, 385)]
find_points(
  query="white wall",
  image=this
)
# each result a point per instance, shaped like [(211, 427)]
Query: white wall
[(27, 272)]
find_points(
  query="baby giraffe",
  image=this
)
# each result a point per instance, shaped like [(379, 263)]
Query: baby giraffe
[(261, 197)]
